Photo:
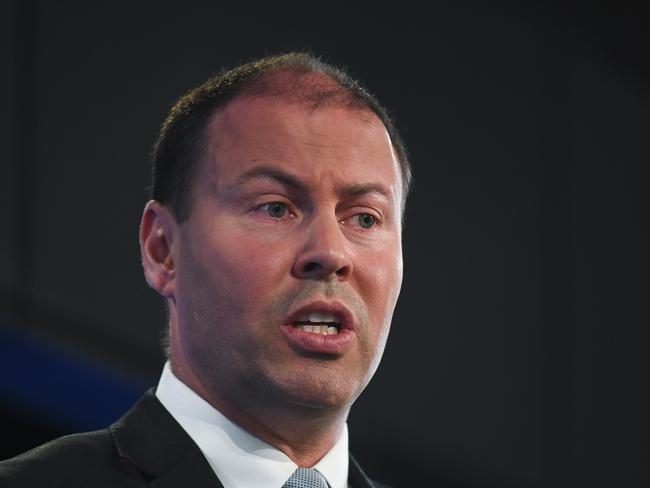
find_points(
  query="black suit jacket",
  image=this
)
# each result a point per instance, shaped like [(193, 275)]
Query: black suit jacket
[(146, 447)]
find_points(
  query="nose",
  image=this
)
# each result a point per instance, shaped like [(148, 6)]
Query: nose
[(324, 255)]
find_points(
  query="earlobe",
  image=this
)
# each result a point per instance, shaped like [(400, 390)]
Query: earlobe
[(156, 237)]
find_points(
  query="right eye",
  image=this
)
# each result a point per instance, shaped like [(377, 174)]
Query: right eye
[(275, 210)]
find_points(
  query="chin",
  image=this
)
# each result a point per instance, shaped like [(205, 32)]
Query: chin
[(319, 393)]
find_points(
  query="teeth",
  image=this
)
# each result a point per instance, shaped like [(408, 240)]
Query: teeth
[(315, 317), (318, 323), (319, 329), (322, 317), (318, 317)]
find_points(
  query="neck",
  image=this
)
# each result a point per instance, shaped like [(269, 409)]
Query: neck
[(304, 433)]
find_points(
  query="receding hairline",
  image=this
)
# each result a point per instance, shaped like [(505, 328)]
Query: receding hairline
[(365, 114), (293, 85), (314, 90)]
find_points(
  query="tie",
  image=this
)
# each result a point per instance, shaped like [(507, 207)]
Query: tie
[(306, 478)]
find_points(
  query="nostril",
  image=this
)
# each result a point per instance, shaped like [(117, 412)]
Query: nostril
[(309, 267)]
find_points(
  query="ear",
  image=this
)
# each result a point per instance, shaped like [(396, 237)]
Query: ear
[(157, 230)]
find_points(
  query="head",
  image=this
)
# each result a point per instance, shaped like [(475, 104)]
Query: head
[(274, 233)]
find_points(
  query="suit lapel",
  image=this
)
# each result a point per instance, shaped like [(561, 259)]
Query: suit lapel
[(188, 471), (149, 439)]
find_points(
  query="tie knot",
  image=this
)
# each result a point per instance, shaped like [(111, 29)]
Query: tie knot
[(306, 478)]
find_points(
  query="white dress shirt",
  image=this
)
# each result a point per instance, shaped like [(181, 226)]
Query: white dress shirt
[(239, 459)]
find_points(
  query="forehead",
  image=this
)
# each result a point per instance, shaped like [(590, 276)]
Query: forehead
[(299, 138)]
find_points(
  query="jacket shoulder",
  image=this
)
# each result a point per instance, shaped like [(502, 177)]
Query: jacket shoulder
[(88, 459)]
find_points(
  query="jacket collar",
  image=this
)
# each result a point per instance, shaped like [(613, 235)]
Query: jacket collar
[(150, 440)]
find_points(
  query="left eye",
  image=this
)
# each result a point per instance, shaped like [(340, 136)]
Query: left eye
[(366, 221), (276, 210)]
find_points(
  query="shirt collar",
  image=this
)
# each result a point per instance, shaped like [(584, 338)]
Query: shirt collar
[(239, 459)]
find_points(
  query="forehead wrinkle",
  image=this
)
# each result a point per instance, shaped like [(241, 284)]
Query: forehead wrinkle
[(289, 180), (271, 173)]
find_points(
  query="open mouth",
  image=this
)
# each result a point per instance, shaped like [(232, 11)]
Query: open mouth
[(321, 327), (324, 323)]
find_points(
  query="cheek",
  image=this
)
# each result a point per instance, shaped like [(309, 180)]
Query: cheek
[(382, 282), (379, 288), (239, 270)]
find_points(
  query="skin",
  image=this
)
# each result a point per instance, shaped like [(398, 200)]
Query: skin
[(235, 270)]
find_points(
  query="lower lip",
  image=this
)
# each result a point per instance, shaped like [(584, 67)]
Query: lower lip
[(335, 344)]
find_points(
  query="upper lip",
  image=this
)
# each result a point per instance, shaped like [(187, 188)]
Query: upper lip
[(345, 316)]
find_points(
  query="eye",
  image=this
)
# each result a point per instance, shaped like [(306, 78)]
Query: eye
[(366, 220), (275, 210)]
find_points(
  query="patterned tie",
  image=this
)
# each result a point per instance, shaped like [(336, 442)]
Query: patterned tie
[(306, 478)]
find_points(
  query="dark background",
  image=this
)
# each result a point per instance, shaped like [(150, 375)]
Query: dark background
[(519, 351)]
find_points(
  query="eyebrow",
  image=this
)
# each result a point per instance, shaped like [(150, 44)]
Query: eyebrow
[(268, 172), (290, 181), (364, 189)]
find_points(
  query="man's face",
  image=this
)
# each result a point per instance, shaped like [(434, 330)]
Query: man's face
[(295, 225)]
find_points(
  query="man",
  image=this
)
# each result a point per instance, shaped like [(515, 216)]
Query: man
[(274, 234)]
